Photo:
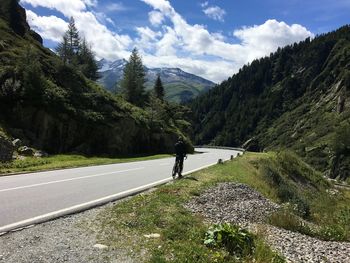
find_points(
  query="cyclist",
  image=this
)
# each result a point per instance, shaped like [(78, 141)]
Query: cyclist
[(180, 150)]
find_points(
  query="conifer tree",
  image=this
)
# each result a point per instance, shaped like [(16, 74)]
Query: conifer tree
[(69, 47), (133, 80), (73, 37), (63, 50), (159, 89), (87, 62), (77, 52)]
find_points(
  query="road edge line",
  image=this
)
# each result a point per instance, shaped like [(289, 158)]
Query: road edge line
[(89, 205)]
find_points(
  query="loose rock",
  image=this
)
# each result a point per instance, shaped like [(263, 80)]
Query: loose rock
[(100, 246), (240, 204)]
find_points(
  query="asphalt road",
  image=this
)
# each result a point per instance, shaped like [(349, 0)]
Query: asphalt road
[(28, 199)]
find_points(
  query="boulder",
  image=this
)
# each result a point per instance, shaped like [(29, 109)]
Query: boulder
[(6, 149), (17, 143), (40, 154), (26, 151)]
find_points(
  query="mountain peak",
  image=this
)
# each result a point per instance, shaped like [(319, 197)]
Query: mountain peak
[(180, 86)]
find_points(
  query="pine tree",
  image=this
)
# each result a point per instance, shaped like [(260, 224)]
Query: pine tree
[(87, 62), (159, 89), (73, 37), (69, 47), (63, 50), (133, 81), (77, 52)]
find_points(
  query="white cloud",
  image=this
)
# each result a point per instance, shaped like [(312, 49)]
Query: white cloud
[(215, 13), (147, 38), (105, 43), (115, 7), (198, 43), (260, 40), (214, 70), (178, 44), (204, 4), (67, 7), (168, 45), (156, 18), (49, 27), (91, 2)]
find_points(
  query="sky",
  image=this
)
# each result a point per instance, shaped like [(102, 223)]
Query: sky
[(209, 38)]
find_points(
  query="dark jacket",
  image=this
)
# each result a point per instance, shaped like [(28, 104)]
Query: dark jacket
[(180, 149)]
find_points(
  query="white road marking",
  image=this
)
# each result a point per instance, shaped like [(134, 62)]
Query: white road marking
[(88, 205), (71, 179), (164, 164), (71, 209)]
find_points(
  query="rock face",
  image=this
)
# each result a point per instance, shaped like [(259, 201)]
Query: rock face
[(26, 151), (61, 133), (12, 12), (59, 111), (16, 16), (6, 150)]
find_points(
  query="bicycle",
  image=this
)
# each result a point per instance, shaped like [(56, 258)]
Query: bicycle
[(177, 169)]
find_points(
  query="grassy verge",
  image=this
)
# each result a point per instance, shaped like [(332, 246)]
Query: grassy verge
[(181, 233), (311, 205), (31, 164), (281, 177)]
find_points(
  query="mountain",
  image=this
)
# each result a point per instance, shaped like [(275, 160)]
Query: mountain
[(179, 85), (297, 98), (52, 106)]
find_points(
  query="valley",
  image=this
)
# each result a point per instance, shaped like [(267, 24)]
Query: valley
[(179, 86), (88, 132)]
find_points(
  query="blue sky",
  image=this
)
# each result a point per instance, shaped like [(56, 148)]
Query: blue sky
[(211, 38)]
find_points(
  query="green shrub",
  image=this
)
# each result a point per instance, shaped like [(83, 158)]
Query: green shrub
[(286, 218), (236, 240), (337, 231), (333, 232), (279, 175)]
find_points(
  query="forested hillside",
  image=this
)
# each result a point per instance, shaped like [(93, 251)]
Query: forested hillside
[(297, 98), (51, 105)]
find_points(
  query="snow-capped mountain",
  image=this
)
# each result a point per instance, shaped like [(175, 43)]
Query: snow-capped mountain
[(179, 85)]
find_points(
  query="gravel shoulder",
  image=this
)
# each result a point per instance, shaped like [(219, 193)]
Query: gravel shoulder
[(69, 239), (240, 204), (75, 238)]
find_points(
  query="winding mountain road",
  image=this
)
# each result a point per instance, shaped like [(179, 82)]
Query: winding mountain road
[(27, 199)]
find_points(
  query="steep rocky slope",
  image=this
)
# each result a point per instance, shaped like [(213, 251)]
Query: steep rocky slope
[(296, 98), (53, 107)]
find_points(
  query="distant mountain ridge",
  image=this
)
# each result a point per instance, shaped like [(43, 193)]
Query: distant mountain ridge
[(179, 85)]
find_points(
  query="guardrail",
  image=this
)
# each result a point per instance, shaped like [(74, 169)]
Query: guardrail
[(221, 147)]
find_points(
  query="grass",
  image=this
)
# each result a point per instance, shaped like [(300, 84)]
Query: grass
[(161, 211), (312, 206), (181, 233), (32, 164)]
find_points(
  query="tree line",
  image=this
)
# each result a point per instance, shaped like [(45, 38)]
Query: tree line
[(162, 116), (76, 51)]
